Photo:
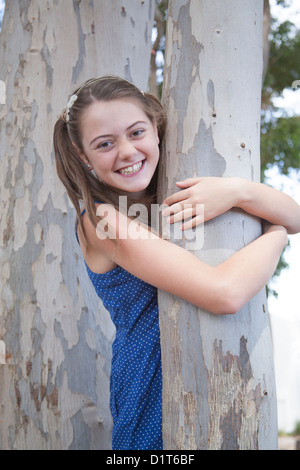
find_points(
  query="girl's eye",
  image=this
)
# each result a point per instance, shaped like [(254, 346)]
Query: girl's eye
[(138, 133), (104, 145)]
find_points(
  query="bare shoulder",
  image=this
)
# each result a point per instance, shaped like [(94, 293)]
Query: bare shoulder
[(97, 252)]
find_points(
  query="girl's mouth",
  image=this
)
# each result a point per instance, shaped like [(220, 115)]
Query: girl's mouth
[(131, 170)]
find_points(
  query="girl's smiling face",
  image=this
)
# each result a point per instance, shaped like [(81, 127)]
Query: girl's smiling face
[(121, 144)]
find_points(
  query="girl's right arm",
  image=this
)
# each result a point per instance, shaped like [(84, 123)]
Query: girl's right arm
[(224, 289)]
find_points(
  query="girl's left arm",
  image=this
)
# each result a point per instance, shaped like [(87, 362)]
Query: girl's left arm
[(218, 195), (270, 204)]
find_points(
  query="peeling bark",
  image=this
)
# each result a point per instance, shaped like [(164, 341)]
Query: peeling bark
[(218, 375), (55, 337)]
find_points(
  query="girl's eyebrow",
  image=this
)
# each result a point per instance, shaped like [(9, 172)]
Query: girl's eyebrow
[(110, 135)]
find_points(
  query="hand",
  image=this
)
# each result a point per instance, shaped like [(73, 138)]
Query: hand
[(201, 199)]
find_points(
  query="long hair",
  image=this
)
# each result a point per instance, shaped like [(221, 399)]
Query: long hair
[(82, 186)]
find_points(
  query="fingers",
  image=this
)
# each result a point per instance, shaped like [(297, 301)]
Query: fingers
[(175, 198), (172, 209), (187, 224), (181, 195), (188, 214), (197, 220), (187, 182)]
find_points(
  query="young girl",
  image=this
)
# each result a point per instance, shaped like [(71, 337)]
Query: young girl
[(107, 145)]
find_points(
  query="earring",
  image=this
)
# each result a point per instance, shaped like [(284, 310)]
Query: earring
[(88, 165)]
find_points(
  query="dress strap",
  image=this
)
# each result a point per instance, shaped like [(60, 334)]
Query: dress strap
[(81, 214)]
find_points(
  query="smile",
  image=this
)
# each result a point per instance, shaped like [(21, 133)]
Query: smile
[(129, 170)]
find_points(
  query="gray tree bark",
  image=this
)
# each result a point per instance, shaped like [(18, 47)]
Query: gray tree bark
[(55, 338), (218, 379)]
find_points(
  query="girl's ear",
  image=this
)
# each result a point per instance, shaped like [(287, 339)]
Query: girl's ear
[(82, 156)]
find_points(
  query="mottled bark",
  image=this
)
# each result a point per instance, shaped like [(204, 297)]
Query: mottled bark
[(55, 338), (218, 382)]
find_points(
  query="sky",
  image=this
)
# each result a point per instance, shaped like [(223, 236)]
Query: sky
[(285, 309)]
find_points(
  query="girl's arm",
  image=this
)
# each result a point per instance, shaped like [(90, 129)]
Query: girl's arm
[(221, 194), (270, 204), (220, 290)]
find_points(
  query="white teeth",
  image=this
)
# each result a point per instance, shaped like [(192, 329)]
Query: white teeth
[(131, 169)]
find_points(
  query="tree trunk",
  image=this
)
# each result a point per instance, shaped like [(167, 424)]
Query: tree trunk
[(55, 338), (218, 382)]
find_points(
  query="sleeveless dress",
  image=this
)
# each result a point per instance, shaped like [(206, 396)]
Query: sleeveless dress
[(136, 377)]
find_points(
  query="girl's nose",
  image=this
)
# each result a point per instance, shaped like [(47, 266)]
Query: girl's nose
[(126, 149)]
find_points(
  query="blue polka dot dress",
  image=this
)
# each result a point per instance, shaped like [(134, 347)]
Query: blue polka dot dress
[(136, 378)]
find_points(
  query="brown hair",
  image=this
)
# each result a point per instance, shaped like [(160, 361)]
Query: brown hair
[(81, 185)]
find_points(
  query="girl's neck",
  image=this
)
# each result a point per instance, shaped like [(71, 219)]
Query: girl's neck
[(139, 196)]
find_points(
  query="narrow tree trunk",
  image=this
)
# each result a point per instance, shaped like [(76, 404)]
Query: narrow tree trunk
[(54, 337), (218, 382)]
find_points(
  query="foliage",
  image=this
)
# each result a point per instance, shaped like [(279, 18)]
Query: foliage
[(284, 66), (280, 143), (296, 431), (280, 137)]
